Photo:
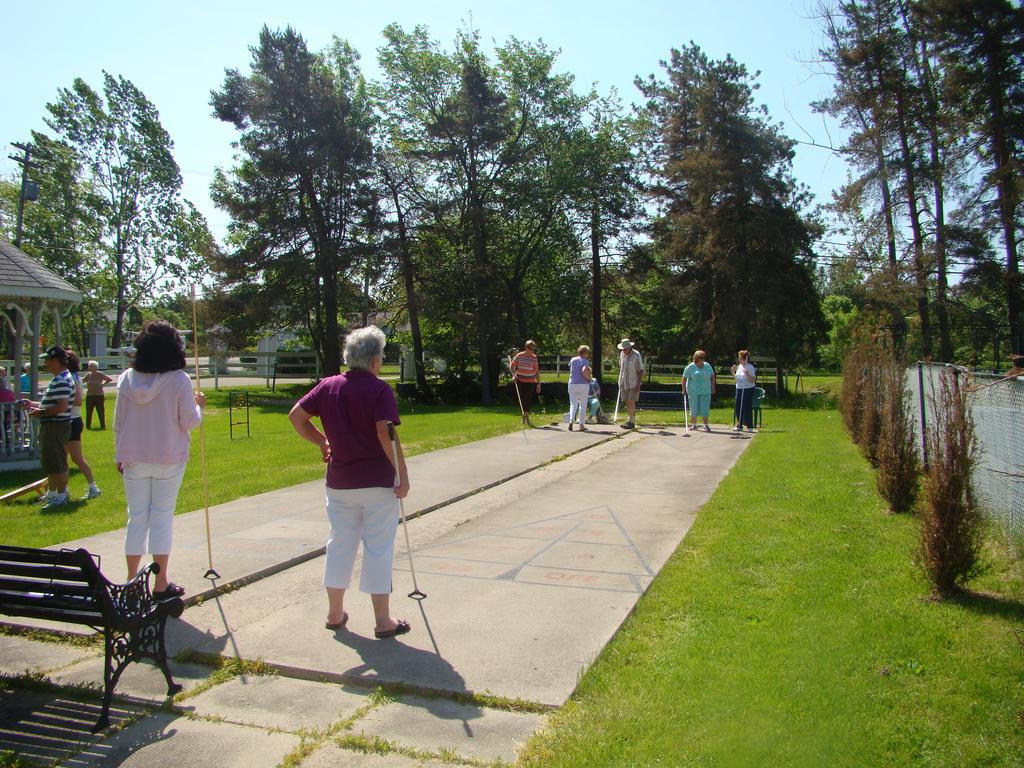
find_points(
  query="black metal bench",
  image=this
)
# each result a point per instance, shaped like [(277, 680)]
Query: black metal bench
[(67, 586), (660, 400)]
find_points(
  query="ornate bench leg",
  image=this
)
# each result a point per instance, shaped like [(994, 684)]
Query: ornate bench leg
[(161, 658), (121, 648), (155, 648), (110, 677)]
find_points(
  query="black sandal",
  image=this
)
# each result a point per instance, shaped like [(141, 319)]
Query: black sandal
[(338, 625), (400, 629), (172, 591)]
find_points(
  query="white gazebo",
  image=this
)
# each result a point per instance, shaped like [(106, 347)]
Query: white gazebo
[(27, 290)]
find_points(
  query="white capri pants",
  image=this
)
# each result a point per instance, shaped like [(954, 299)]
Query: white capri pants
[(370, 515), (578, 394), (151, 491)]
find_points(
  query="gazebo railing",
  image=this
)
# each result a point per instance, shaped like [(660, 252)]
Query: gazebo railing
[(17, 434)]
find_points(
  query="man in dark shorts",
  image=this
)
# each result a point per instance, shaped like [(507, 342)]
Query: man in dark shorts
[(54, 414)]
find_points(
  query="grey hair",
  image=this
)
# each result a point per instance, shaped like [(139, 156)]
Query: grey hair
[(363, 345)]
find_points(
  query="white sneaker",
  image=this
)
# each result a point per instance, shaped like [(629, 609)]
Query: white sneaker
[(58, 500), (94, 491), (46, 498)]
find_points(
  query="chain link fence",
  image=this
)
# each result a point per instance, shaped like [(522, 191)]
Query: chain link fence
[(997, 406)]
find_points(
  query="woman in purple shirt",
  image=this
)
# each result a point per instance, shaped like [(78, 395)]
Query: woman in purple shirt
[(579, 386), (362, 495)]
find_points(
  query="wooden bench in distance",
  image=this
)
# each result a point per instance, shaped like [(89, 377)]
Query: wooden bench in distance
[(660, 400)]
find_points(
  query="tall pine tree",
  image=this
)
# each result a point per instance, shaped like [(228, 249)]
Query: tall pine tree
[(301, 199), (733, 229)]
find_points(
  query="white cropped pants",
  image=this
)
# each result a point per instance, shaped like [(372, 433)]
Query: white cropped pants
[(369, 515), (578, 394), (151, 491)]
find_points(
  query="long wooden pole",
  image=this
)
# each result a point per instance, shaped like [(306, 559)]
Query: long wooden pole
[(515, 386), (211, 573), (417, 593)]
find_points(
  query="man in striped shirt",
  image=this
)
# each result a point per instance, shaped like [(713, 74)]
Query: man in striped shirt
[(54, 414)]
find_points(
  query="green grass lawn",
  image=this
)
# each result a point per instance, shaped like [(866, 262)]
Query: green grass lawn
[(273, 457), (824, 383), (791, 628)]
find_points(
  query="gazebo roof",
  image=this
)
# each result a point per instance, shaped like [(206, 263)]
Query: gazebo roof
[(22, 277)]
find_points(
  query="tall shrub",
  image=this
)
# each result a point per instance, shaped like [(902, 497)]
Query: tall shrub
[(951, 536), (871, 402), (851, 388), (861, 395), (849, 391), (898, 464)]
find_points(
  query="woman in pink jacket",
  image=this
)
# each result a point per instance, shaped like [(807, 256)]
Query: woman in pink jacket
[(154, 413)]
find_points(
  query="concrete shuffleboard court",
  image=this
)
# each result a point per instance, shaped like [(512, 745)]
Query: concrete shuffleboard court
[(258, 535), (526, 582)]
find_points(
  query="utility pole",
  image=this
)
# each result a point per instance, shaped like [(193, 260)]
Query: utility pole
[(29, 189)]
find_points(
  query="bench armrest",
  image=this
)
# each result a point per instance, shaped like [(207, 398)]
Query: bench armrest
[(133, 601)]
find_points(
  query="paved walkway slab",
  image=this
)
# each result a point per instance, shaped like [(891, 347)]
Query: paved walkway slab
[(167, 740), (269, 701), (440, 725), (141, 682), (333, 756), (22, 654)]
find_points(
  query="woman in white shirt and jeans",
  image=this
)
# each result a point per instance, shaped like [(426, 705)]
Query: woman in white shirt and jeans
[(579, 386), (746, 380)]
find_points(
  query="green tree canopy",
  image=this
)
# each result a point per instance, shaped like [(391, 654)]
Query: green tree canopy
[(301, 198), (732, 237), (151, 239)]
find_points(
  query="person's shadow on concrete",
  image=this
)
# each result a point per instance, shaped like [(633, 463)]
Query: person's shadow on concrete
[(181, 636), (426, 674)]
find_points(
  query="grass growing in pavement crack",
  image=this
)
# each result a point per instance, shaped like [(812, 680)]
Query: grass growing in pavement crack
[(53, 636), (224, 669), (313, 738), (485, 699), (39, 681), (376, 745), (503, 703)]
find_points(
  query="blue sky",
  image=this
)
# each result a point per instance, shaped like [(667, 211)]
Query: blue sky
[(177, 52)]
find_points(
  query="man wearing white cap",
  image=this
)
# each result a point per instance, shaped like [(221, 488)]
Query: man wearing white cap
[(631, 375)]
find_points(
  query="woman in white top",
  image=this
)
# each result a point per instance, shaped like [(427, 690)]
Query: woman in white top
[(579, 386), (746, 380)]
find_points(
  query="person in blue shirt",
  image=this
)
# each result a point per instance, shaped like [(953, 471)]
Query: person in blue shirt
[(594, 400), (25, 381), (699, 385), (579, 386)]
